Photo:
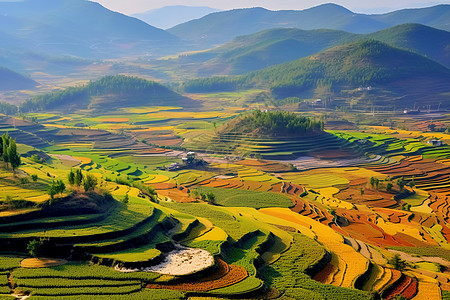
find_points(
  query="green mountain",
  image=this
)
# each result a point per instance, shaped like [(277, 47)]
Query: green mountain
[(387, 72), (218, 28), (430, 42), (263, 49), (10, 80), (108, 94), (79, 28), (275, 46), (169, 16)]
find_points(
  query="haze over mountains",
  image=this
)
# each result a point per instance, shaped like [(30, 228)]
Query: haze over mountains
[(77, 28), (169, 16), (221, 27)]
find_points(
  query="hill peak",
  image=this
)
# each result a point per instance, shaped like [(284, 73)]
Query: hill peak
[(329, 7)]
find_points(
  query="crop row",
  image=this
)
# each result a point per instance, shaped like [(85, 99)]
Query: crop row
[(80, 290)]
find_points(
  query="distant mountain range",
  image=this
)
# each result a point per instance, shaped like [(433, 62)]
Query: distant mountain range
[(78, 28), (389, 76), (10, 80), (276, 46), (218, 28), (169, 16)]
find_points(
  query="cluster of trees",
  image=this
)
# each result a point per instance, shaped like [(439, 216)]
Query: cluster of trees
[(8, 109), (401, 183), (214, 84), (208, 196), (8, 152), (77, 178), (273, 123), (57, 187), (117, 85)]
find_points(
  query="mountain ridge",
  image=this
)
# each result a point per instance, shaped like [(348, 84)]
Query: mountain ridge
[(220, 27)]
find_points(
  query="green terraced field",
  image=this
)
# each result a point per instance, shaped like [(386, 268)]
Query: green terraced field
[(237, 198)]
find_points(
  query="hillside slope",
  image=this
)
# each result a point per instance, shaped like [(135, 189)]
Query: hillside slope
[(10, 80), (275, 46), (428, 41), (108, 94), (401, 74)]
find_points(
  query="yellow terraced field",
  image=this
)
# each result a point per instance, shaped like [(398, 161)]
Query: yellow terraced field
[(392, 229), (338, 277), (215, 234), (155, 128), (380, 284), (84, 160), (201, 229), (428, 291), (134, 192), (316, 180), (39, 199), (121, 190), (158, 179)]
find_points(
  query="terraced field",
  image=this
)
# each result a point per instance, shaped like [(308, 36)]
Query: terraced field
[(321, 227)]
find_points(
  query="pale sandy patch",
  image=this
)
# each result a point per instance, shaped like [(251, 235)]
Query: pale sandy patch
[(41, 262), (182, 261)]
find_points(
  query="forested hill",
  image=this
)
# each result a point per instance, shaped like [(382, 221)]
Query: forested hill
[(108, 93), (365, 63), (428, 41), (275, 46), (10, 80), (271, 123)]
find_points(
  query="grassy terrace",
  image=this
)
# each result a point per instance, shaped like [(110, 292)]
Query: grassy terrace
[(255, 199), (122, 218)]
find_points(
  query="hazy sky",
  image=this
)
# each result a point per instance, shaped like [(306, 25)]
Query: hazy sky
[(372, 6)]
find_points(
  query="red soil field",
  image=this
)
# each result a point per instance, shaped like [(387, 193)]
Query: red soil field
[(224, 275)]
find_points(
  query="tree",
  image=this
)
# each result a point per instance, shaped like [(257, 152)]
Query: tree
[(78, 177), (89, 182), (398, 263), (52, 190), (34, 247), (195, 194), (60, 187), (13, 156), (211, 197), (361, 190), (389, 186), (5, 144), (57, 187), (71, 177), (374, 182), (37, 247), (412, 183), (401, 183)]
